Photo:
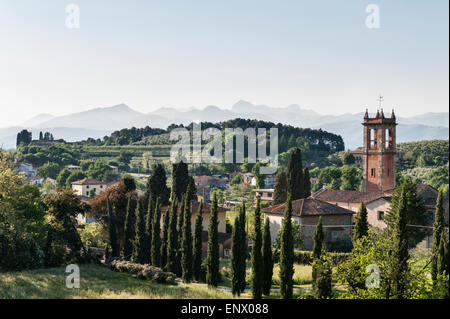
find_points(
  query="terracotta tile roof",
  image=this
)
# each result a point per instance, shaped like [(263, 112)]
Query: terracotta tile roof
[(332, 195), (88, 181), (309, 207)]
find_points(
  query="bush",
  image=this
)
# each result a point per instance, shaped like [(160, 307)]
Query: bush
[(20, 254), (303, 257), (142, 271)]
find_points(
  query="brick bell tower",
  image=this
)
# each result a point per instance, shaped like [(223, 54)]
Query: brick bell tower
[(379, 152)]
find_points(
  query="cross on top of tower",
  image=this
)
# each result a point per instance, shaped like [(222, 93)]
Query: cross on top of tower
[(380, 99)]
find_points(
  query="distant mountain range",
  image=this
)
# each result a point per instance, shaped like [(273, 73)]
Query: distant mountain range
[(99, 122)]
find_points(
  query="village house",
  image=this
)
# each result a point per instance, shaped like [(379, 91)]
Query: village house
[(73, 168), (210, 181), (266, 194), (85, 186), (26, 169), (337, 221)]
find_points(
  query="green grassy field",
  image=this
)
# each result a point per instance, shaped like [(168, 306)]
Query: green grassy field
[(96, 282)]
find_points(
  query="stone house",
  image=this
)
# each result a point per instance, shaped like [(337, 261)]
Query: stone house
[(336, 220), (84, 186)]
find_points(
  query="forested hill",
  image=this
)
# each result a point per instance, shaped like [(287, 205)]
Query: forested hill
[(289, 136)]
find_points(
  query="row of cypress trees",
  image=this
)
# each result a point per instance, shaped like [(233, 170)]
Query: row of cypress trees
[(261, 255), (177, 251)]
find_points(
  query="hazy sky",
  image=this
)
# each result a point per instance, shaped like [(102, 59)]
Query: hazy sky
[(179, 53)]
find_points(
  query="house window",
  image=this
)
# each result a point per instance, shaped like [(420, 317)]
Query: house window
[(389, 171), (87, 193), (372, 172), (87, 186), (95, 189), (334, 235), (380, 215), (226, 253), (296, 222), (101, 186)]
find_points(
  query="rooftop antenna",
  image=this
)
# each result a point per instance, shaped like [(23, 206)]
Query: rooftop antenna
[(380, 99)]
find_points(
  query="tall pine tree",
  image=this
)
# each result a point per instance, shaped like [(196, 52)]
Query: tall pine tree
[(400, 250), (157, 185), (295, 175), (236, 258), (112, 229), (140, 238), (156, 236), (172, 245), (243, 254), (267, 263), (212, 264), (165, 240), (148, 230), (287, 253), (186, 240), (129, 229), (437, 234), (198, 245), (361, 224), (257, 261), (306, 183), (280, 191)]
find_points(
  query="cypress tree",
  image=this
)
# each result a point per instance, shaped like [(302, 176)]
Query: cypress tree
[(257, 261), (148, 230), (243, 246), (306, 183), (165, 240), (140, 239), (212, 264), (267, 263), (280, 191), (318, 249), (129, 229), (235, 258), (400, 249), (157, 185), (156, 236), (295, 175), (172, 246), (287, 253), (437, 234), (180, 222), (361, 224), (198, 245), (186, 240), (112, 228), (443, 257)]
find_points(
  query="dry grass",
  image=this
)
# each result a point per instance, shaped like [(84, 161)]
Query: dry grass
[(96, 282)]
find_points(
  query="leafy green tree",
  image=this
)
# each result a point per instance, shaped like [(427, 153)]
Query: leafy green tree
[(62, 177), (130, 221), (212, 261), (140, 240), (186, 241), (257, 260), (295, 175), (172, 246), (348, 158), (259, 179), (23, 137), (351, 178), (157, 185), (416, 213), (323, 282), (267, 258), (198, 245), (287, 253), (437, 234), (74, 176), (48, 170), (361, 224), (280, 191), (112, 229), (156, 236)]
